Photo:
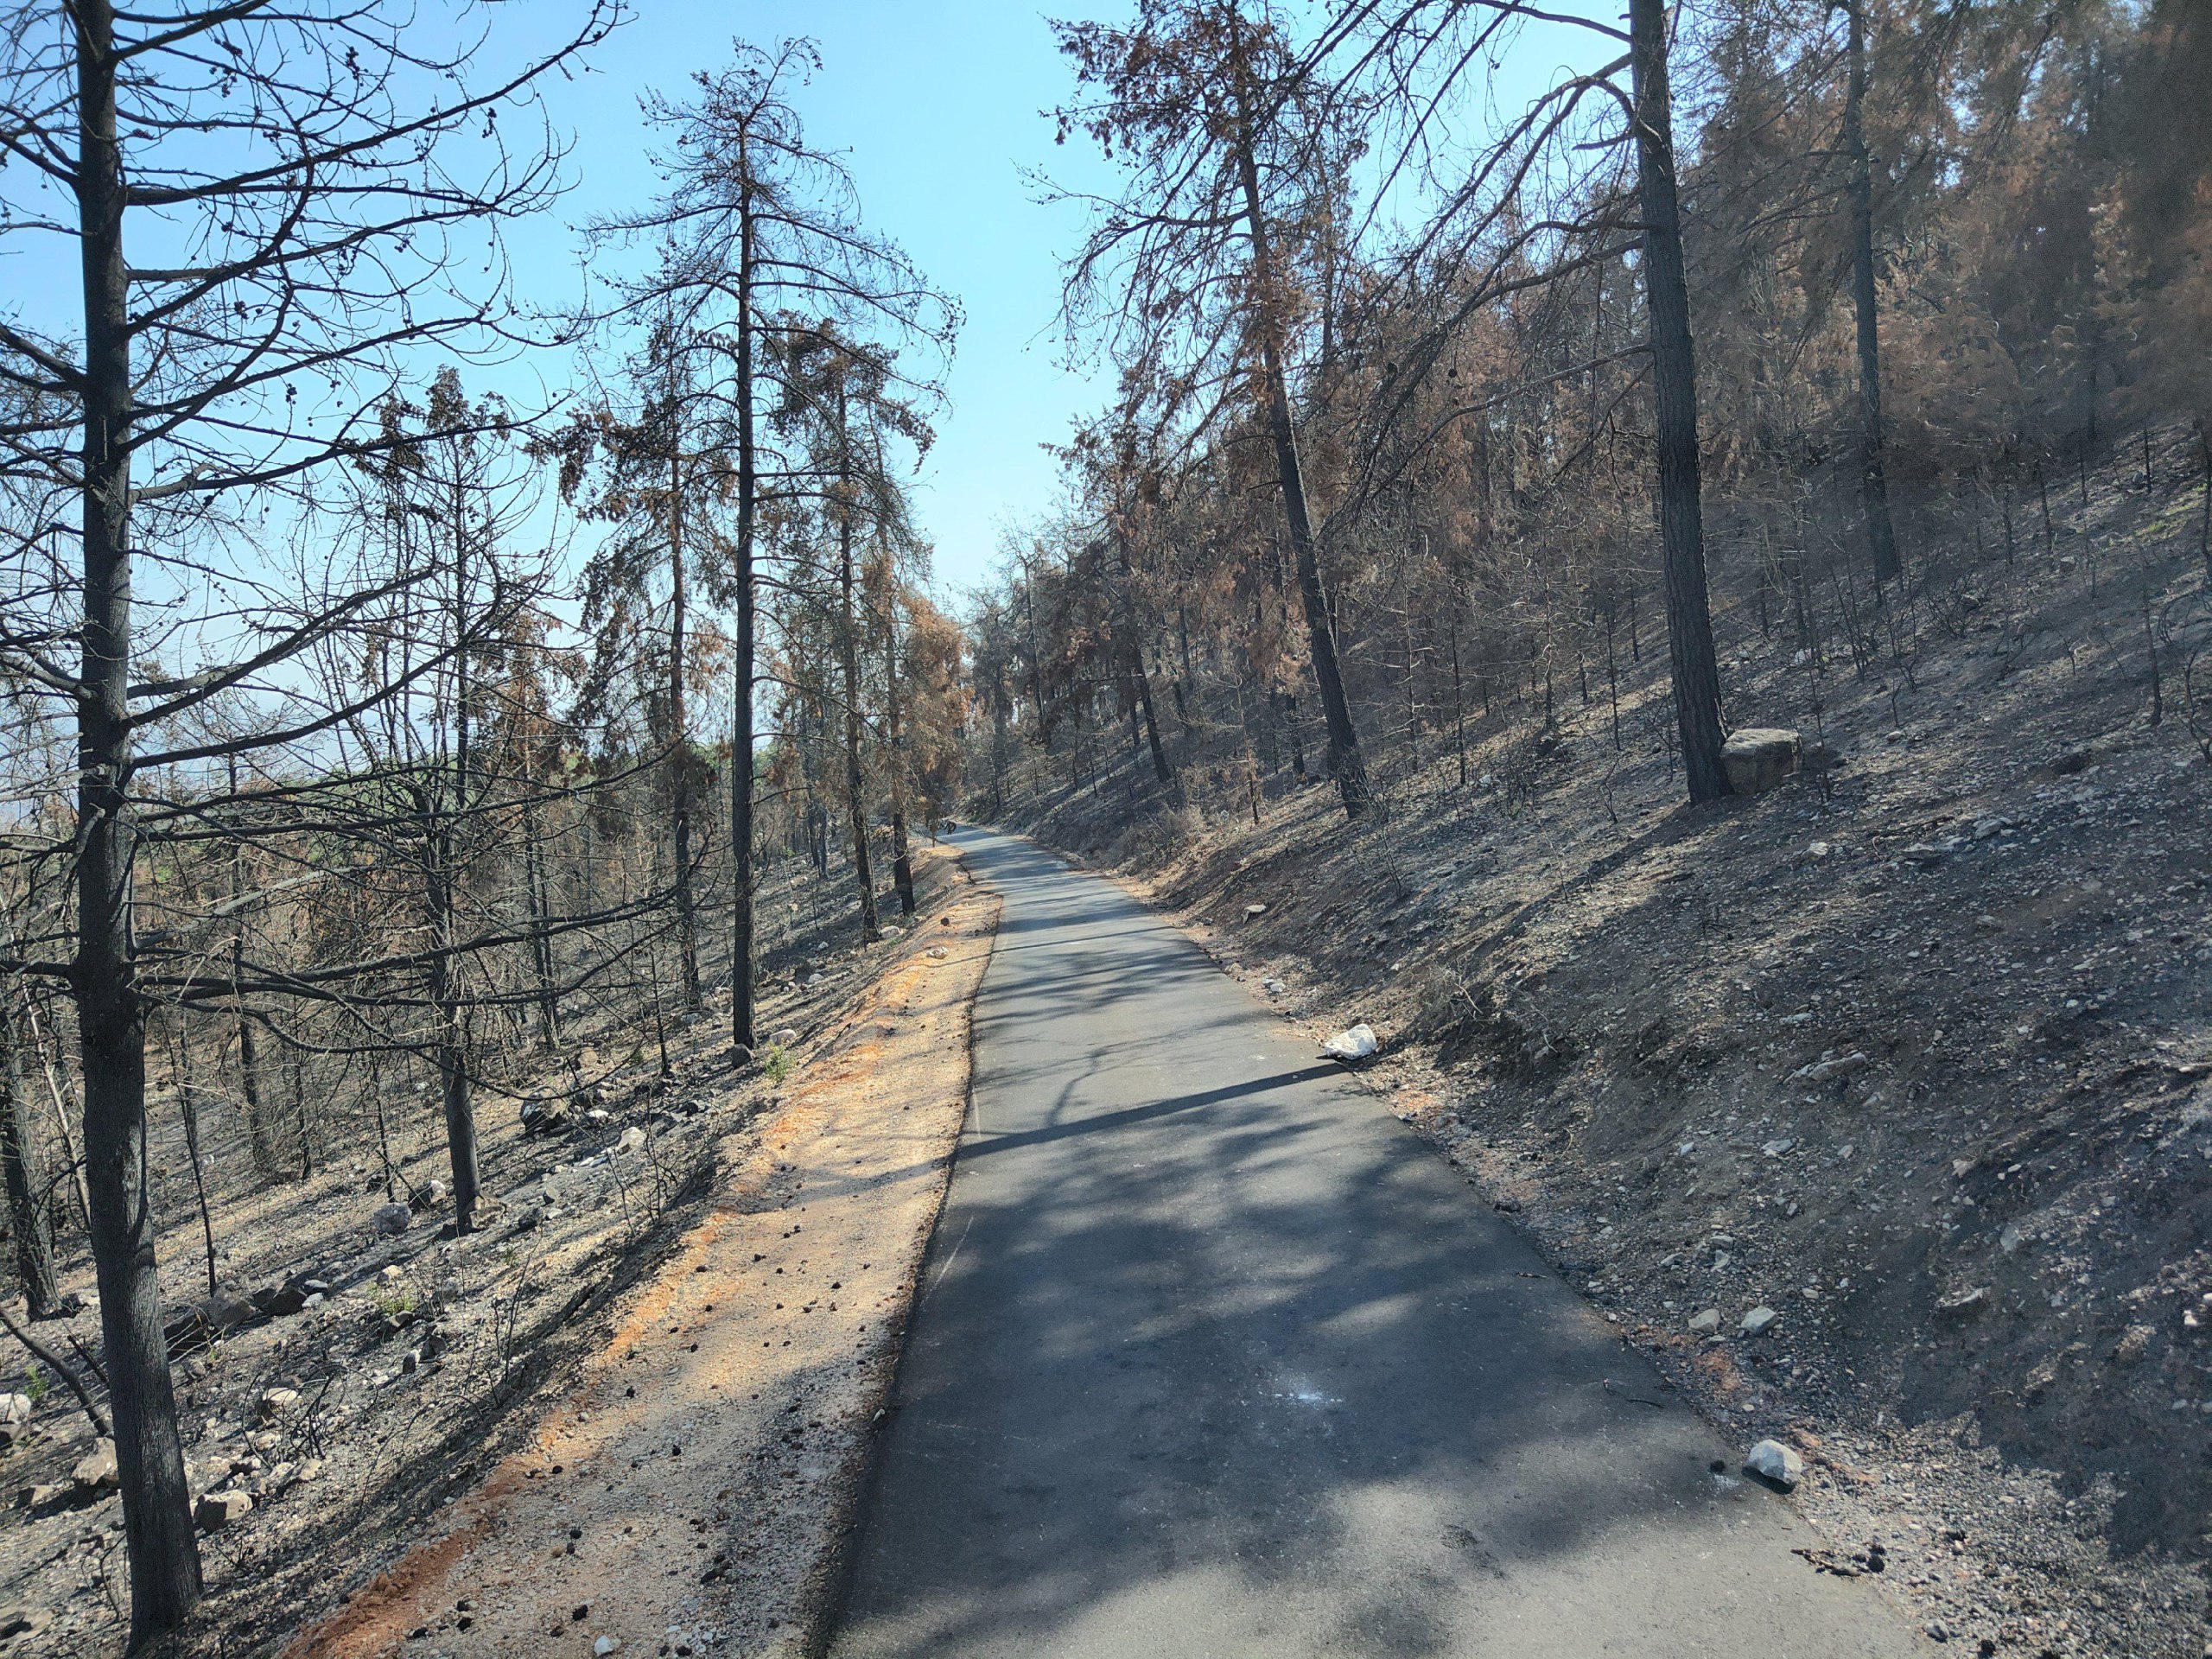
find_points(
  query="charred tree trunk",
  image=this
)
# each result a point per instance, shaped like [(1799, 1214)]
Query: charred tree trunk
[(902, 863), (1674, 365), (1346, 765), (29, 1203), (541, 943), (679, 741), (744, 952), (1141, 681), (164, 1554), (849, 656), (1873, 475)]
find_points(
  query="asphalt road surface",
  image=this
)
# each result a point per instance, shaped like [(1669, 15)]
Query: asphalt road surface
[(1214, 1358)]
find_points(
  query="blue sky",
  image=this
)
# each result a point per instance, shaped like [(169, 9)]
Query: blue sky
[(937, 106)]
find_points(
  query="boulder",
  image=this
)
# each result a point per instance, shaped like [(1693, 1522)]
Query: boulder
[(391, 1219), (97, 1469), (1706, 1322), (218, 1509), (1776, 1464), (1759, 758)]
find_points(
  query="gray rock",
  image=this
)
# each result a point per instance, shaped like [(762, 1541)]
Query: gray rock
[(1760, 1320), (1705, 1321), (1829, 1068), (1757, 758), (391, 1219), (1776, 1464), (220, 1312), (784, 1038), (218, 1509), (97, 1469)]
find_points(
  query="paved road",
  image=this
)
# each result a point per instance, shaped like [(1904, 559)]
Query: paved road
[(1213, 1358)]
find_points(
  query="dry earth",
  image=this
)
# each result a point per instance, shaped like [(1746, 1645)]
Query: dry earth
[(688, 1496)]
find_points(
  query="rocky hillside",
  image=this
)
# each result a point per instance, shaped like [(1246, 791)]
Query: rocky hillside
[(1877, 1105)]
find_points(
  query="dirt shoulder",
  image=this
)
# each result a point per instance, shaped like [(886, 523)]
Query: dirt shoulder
[(688, 1493)]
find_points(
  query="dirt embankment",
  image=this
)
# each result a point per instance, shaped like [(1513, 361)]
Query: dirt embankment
[(1916, 1058), (688, 1493)]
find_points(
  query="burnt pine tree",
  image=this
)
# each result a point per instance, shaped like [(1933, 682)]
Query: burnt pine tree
[(1193, 273), (759, 235)]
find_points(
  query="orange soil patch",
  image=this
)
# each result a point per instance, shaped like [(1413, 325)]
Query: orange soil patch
[(691, 1492)]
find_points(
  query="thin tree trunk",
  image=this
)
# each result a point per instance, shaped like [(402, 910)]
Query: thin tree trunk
[(1873, 476), (188, 1109), (256, 1124), (848, 652), (28, 1202), (1673, 363), (679, 743), (1346, 765), (541, 941), (1139, 681), (440, 850), (164, 1552), (743, 961), (902, 863)]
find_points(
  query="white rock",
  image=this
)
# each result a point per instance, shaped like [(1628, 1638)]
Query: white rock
[(1705, 1321), (1353, 1045), (633, 1139), (1251, 910), (1760, 1320), (1771, 1460), (893, 935), (784, 1038), (606, 1644)]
